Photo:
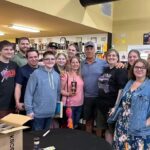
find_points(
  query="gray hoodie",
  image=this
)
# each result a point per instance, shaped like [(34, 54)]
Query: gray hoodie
[(42, 93)]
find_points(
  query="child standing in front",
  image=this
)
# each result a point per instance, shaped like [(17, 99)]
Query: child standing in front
[(42, 93)]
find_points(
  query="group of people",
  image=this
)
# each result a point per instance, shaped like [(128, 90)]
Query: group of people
[(90, 88)]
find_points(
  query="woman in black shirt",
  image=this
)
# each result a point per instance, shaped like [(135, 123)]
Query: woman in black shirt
[(110, 82)]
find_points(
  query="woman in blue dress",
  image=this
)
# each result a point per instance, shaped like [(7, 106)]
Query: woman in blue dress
[(132, 131)]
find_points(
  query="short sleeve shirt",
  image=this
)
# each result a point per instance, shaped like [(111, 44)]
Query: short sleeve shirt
[(90, 74), (22, 77)]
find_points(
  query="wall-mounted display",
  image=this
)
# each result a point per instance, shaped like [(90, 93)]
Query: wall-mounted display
[(146, 38), (100, 40)]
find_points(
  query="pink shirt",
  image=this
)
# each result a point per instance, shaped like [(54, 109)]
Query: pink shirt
[(76, 100)]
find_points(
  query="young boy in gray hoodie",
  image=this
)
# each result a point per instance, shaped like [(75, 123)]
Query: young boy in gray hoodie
[(42, 93)]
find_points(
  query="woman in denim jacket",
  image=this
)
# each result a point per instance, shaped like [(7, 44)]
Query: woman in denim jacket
[(132, 131)]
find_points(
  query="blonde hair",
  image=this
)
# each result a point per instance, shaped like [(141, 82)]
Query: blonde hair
[(61, 53)]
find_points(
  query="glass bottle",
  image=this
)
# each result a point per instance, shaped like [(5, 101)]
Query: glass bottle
[(36, 143)]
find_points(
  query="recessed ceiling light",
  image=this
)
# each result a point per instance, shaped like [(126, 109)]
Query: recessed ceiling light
[(23, 28), (2, 33)]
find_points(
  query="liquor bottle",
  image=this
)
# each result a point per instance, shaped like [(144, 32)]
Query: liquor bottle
[(36, 144)]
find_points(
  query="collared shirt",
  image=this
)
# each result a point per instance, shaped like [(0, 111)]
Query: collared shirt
[(90, 74), (20, 59)]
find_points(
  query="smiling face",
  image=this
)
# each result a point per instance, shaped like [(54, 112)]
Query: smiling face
[(132, 57), (90, 52), (75, 64), (139, 70), (71, 51), (7, 52), (61, 60), (112, 58), (52, 49), (24, 45), (49, 61), (32, 58)]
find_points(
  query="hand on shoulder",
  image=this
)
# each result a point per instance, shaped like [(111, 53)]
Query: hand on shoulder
[(120, 65)]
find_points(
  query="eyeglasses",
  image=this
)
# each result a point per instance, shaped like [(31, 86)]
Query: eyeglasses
[(49, 59), (139, 67)]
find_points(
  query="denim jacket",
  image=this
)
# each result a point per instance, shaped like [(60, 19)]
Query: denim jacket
[(140, 109)]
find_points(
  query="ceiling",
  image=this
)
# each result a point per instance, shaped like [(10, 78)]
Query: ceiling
[(49, 25)]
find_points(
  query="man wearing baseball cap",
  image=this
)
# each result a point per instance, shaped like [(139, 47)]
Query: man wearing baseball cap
[(89, 44), (91, 69), (52, 46)]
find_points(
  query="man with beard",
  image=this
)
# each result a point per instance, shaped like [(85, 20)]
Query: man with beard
[(52, 47), (20, 57)]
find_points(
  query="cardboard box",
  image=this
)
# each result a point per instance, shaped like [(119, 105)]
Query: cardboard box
[(12, 139)]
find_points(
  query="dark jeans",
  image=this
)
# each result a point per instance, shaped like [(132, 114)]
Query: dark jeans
[(41, 123), (76, 113)]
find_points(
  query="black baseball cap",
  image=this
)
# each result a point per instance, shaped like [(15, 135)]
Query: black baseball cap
[(53, 44)]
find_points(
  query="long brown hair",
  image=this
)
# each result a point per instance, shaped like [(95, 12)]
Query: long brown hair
[(137, 53)]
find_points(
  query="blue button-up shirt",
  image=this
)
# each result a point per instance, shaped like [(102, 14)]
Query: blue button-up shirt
[(90, 74)]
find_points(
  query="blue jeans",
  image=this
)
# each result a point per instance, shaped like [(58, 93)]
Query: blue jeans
[(41, 123), (76, 113)]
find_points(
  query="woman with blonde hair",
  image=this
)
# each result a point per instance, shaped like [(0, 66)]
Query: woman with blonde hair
[(72, 90), (61, 62)]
